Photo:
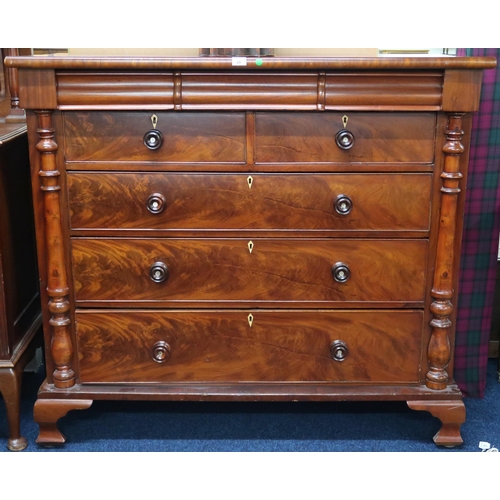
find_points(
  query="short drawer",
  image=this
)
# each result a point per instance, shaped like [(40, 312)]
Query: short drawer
[(258, 271), (192, 201), (377, 137), (186, 137), (239, 346)]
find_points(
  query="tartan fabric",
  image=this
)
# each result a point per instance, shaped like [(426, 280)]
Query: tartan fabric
[(480, 237)]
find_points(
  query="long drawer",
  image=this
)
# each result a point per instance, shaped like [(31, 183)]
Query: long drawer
[(237, 346), (259, 271), (202, 201)]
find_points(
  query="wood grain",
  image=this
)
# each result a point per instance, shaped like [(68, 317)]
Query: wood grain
[(439, 349), (187, 137), (275, 202), (389, 90), (189, 337), (462, 90), (214, 270), (281, 63), (249, 90), (379, 137), (147, 90), (220, 346), (57, 275), (37, 89)]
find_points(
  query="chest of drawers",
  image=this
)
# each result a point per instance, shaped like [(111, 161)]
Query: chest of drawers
[(284, 231)]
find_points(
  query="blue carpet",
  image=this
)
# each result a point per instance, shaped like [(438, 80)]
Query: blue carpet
[(258, 427)]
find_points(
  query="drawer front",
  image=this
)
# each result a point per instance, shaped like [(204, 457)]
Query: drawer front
[(184, 346), (187, 137), (378, 137), (165, 201), (225, 270)]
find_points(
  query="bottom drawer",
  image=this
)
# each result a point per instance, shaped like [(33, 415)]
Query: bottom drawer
[(238, 346)]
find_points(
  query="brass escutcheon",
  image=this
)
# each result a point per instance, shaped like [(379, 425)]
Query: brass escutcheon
[(250, 246), (154, 121), (250, 320), (250, 181), (345, 119)]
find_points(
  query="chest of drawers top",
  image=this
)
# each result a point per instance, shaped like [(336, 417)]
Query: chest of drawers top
[(270, 83)]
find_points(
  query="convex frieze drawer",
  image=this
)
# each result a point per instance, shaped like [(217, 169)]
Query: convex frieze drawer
[(307, 91)]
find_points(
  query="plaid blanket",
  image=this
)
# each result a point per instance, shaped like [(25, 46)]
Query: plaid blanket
[(480, 237)]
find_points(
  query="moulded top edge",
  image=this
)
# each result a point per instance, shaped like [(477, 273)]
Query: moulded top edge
[(267, 63)]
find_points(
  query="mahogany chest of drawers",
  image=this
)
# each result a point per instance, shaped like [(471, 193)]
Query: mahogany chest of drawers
[(288, 230)]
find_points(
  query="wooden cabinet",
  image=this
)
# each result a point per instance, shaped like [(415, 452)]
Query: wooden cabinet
[(283, 231), (20, 314)]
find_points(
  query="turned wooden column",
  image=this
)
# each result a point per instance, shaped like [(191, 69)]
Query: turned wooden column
[(16, 113), (57, 287), (439, 350)]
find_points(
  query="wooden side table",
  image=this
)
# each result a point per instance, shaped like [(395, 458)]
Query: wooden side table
[(20, 315)]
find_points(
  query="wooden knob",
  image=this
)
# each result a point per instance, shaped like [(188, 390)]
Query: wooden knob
[(339, 350), (153, 139), (156, 203), (161, 351), (158, 272), (343, 204), (344, 139), (341, 272)]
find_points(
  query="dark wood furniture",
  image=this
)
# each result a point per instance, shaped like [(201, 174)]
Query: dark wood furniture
[(285, 230), (20, 314), (20, 310)]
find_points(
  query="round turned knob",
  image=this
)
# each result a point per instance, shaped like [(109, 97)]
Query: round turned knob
[(344, 139), (156, 203), (153, 139), (158, 272), (343, 204), (161, 352), (338, 350), (341, 272)]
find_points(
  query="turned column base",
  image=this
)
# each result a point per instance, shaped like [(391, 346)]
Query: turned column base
[(452, 416), (48, 411)]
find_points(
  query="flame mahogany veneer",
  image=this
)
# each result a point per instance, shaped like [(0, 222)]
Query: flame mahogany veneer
[(287, 230)]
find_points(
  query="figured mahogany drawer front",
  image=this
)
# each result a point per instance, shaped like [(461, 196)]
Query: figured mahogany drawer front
[(184, 137), (191, 271), (165, 201), (238, 346), (376, 137)]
